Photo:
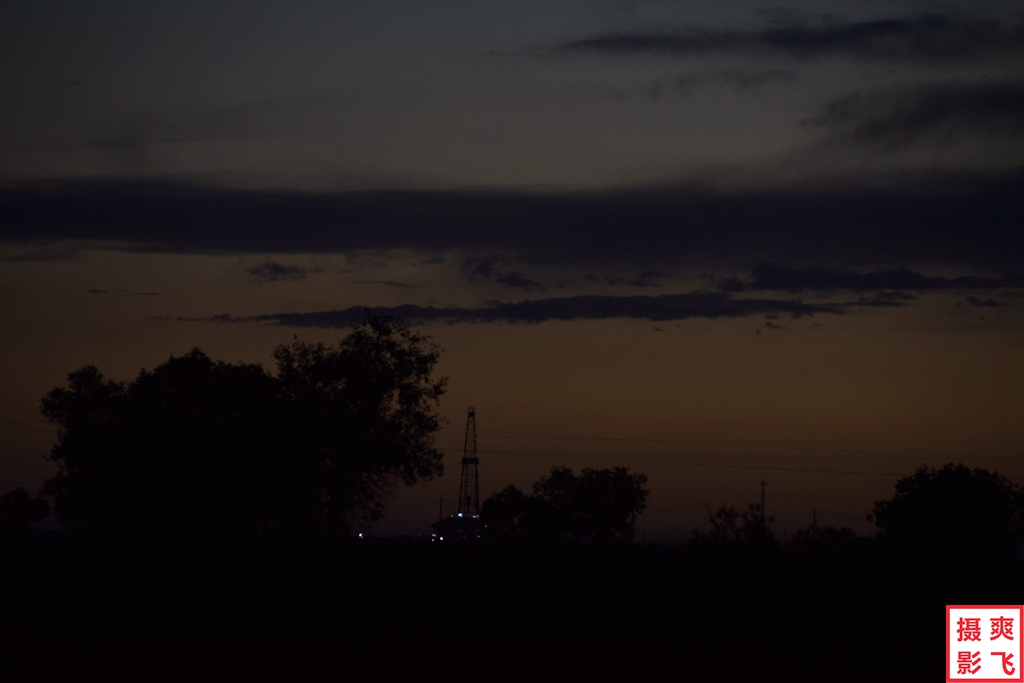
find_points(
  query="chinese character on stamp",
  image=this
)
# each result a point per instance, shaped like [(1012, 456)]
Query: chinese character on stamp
[(983, 643)]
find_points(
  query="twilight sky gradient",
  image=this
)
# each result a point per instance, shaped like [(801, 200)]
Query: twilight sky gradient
[(714, 241)]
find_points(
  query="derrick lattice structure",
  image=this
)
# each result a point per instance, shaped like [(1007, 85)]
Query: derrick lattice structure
[(469, 486)]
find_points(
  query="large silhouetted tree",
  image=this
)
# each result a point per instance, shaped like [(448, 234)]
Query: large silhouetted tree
[(365, 411), (200, 446), (957, 511)]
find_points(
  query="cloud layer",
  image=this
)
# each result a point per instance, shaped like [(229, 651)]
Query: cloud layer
[(893, 288)]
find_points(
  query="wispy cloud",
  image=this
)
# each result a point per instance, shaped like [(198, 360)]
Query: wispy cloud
[(46, 250), (121, 292), (669, 88), (772, 277), (650, 278), (985, 303), (273, 271), (941, 114), (926, 39), (485, 269), (386, 283)]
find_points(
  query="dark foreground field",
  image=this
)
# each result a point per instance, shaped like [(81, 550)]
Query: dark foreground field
[(72, 606)]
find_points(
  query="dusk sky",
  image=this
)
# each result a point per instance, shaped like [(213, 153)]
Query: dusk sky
[(718, 242)]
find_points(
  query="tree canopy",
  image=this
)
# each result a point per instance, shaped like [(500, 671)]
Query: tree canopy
[(198, 445), (954, 510), (595, 506)]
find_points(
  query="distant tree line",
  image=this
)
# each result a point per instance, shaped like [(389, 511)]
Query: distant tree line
[(951, 512), (947, 512)]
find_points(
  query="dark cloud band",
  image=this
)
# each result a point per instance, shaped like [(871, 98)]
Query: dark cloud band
[(654, 308), (953, 219)]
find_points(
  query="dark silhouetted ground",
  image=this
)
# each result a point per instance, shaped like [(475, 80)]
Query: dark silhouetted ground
[(309, 610)]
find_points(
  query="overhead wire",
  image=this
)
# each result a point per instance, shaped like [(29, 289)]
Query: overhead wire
[(642, 459), (508, 433)]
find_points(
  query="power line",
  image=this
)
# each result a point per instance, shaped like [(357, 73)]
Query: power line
[(872, 455), (690, 464), (508, 433)]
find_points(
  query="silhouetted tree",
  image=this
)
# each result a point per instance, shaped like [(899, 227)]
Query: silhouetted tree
[(730, 528), (725, 528), (756, 529), (365, 410), (596, 506), (504, 514), (19, 510), (197, 445), (956, 511)]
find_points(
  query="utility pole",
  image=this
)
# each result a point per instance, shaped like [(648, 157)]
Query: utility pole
[(440, 508)]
